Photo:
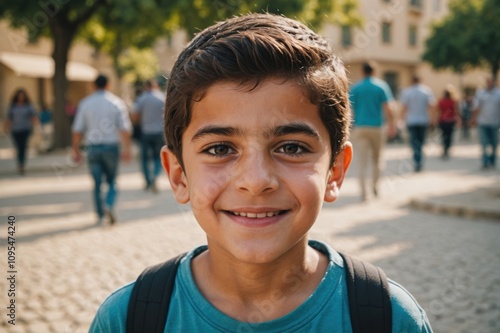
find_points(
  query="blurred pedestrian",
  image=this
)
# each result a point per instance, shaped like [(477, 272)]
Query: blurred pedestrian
[(487, 116), (371, 100), (466, 107), (103, 118), (21, 119), (447, 115), (417, 101), (148, 110), (46, 126)]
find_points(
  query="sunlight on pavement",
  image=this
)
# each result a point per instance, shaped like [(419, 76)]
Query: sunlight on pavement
[(44, 209)]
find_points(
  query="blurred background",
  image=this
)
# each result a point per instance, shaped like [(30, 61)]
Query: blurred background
[(436, 232)]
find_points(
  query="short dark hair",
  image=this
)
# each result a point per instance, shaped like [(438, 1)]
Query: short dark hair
[(101, 81), (369, 67), (249, 49)]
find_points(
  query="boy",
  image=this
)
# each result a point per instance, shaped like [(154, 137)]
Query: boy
[(257, 115)]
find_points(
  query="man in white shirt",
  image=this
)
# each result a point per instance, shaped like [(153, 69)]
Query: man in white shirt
[(104, 120), (417, 102), (487, 116)]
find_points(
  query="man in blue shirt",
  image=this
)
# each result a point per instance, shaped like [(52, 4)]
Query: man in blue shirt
[(371, 103)]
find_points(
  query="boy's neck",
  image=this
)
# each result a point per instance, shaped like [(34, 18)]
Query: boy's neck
[(239, 289)]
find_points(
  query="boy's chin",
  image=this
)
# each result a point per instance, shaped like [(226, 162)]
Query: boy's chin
[(258, 253)]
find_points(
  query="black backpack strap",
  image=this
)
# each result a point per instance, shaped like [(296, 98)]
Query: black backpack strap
[(369, 298), (150, 298)]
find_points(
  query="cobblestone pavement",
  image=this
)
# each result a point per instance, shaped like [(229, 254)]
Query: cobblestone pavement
[(66, 265)]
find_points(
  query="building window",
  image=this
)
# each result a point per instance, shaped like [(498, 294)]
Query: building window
[(346, 36), (416, 3), (392, 80), (412, 35), (386, 32)]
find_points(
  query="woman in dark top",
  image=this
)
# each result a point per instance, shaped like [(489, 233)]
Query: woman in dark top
[(20, 121)]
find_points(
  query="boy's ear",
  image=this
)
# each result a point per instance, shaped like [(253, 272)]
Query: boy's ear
[(176, 175), (337, 173)]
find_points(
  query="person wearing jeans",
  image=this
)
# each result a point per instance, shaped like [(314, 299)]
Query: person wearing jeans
[(103, 118), (148, 110), (417, 140), (103, 162), (488, 136), (487, 116), (417, 102)]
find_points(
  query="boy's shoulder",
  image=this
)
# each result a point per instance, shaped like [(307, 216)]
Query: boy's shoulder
[(112, 314), (407, 315)]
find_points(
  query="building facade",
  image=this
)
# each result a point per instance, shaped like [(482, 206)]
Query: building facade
[(393, 35)]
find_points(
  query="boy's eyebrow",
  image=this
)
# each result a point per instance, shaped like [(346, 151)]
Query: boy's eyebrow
[(281, 130), (295, 128), (215, 130)]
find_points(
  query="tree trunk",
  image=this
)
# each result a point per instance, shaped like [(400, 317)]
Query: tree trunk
[(62, 42), (115, 55)]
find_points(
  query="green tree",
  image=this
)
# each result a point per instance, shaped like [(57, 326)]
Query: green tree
[(195, 15), (123, 37), (468, 37)]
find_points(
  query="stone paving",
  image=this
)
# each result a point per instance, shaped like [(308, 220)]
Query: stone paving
[(66, 265)]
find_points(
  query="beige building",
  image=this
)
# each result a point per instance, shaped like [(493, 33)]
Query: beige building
[(393, 35), (29, 65)]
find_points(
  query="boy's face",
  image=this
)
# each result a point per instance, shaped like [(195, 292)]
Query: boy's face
[(256, 168)]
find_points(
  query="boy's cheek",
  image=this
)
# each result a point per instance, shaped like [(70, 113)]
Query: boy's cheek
[(205, 191)]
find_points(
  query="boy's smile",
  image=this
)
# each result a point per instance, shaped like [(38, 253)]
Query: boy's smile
[(257, 168)]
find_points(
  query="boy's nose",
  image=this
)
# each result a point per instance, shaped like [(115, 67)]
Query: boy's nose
[(256, 174)]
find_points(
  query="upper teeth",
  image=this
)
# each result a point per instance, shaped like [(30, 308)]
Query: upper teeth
[(256, 215)]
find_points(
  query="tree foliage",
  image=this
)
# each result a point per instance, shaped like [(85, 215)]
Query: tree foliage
[(195, 15), (468, 37)]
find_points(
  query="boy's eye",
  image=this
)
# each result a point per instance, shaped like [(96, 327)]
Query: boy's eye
[(219, 150), (292, 149)]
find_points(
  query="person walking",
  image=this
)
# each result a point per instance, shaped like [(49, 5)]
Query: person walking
[(417, 102), (103, 118), (148, 110), (371, 103), (487, 116), (448, 115), (21, 119), (466, 108)]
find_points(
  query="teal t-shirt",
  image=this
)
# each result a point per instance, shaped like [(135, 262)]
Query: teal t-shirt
[(367, 98), (326, 310)]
